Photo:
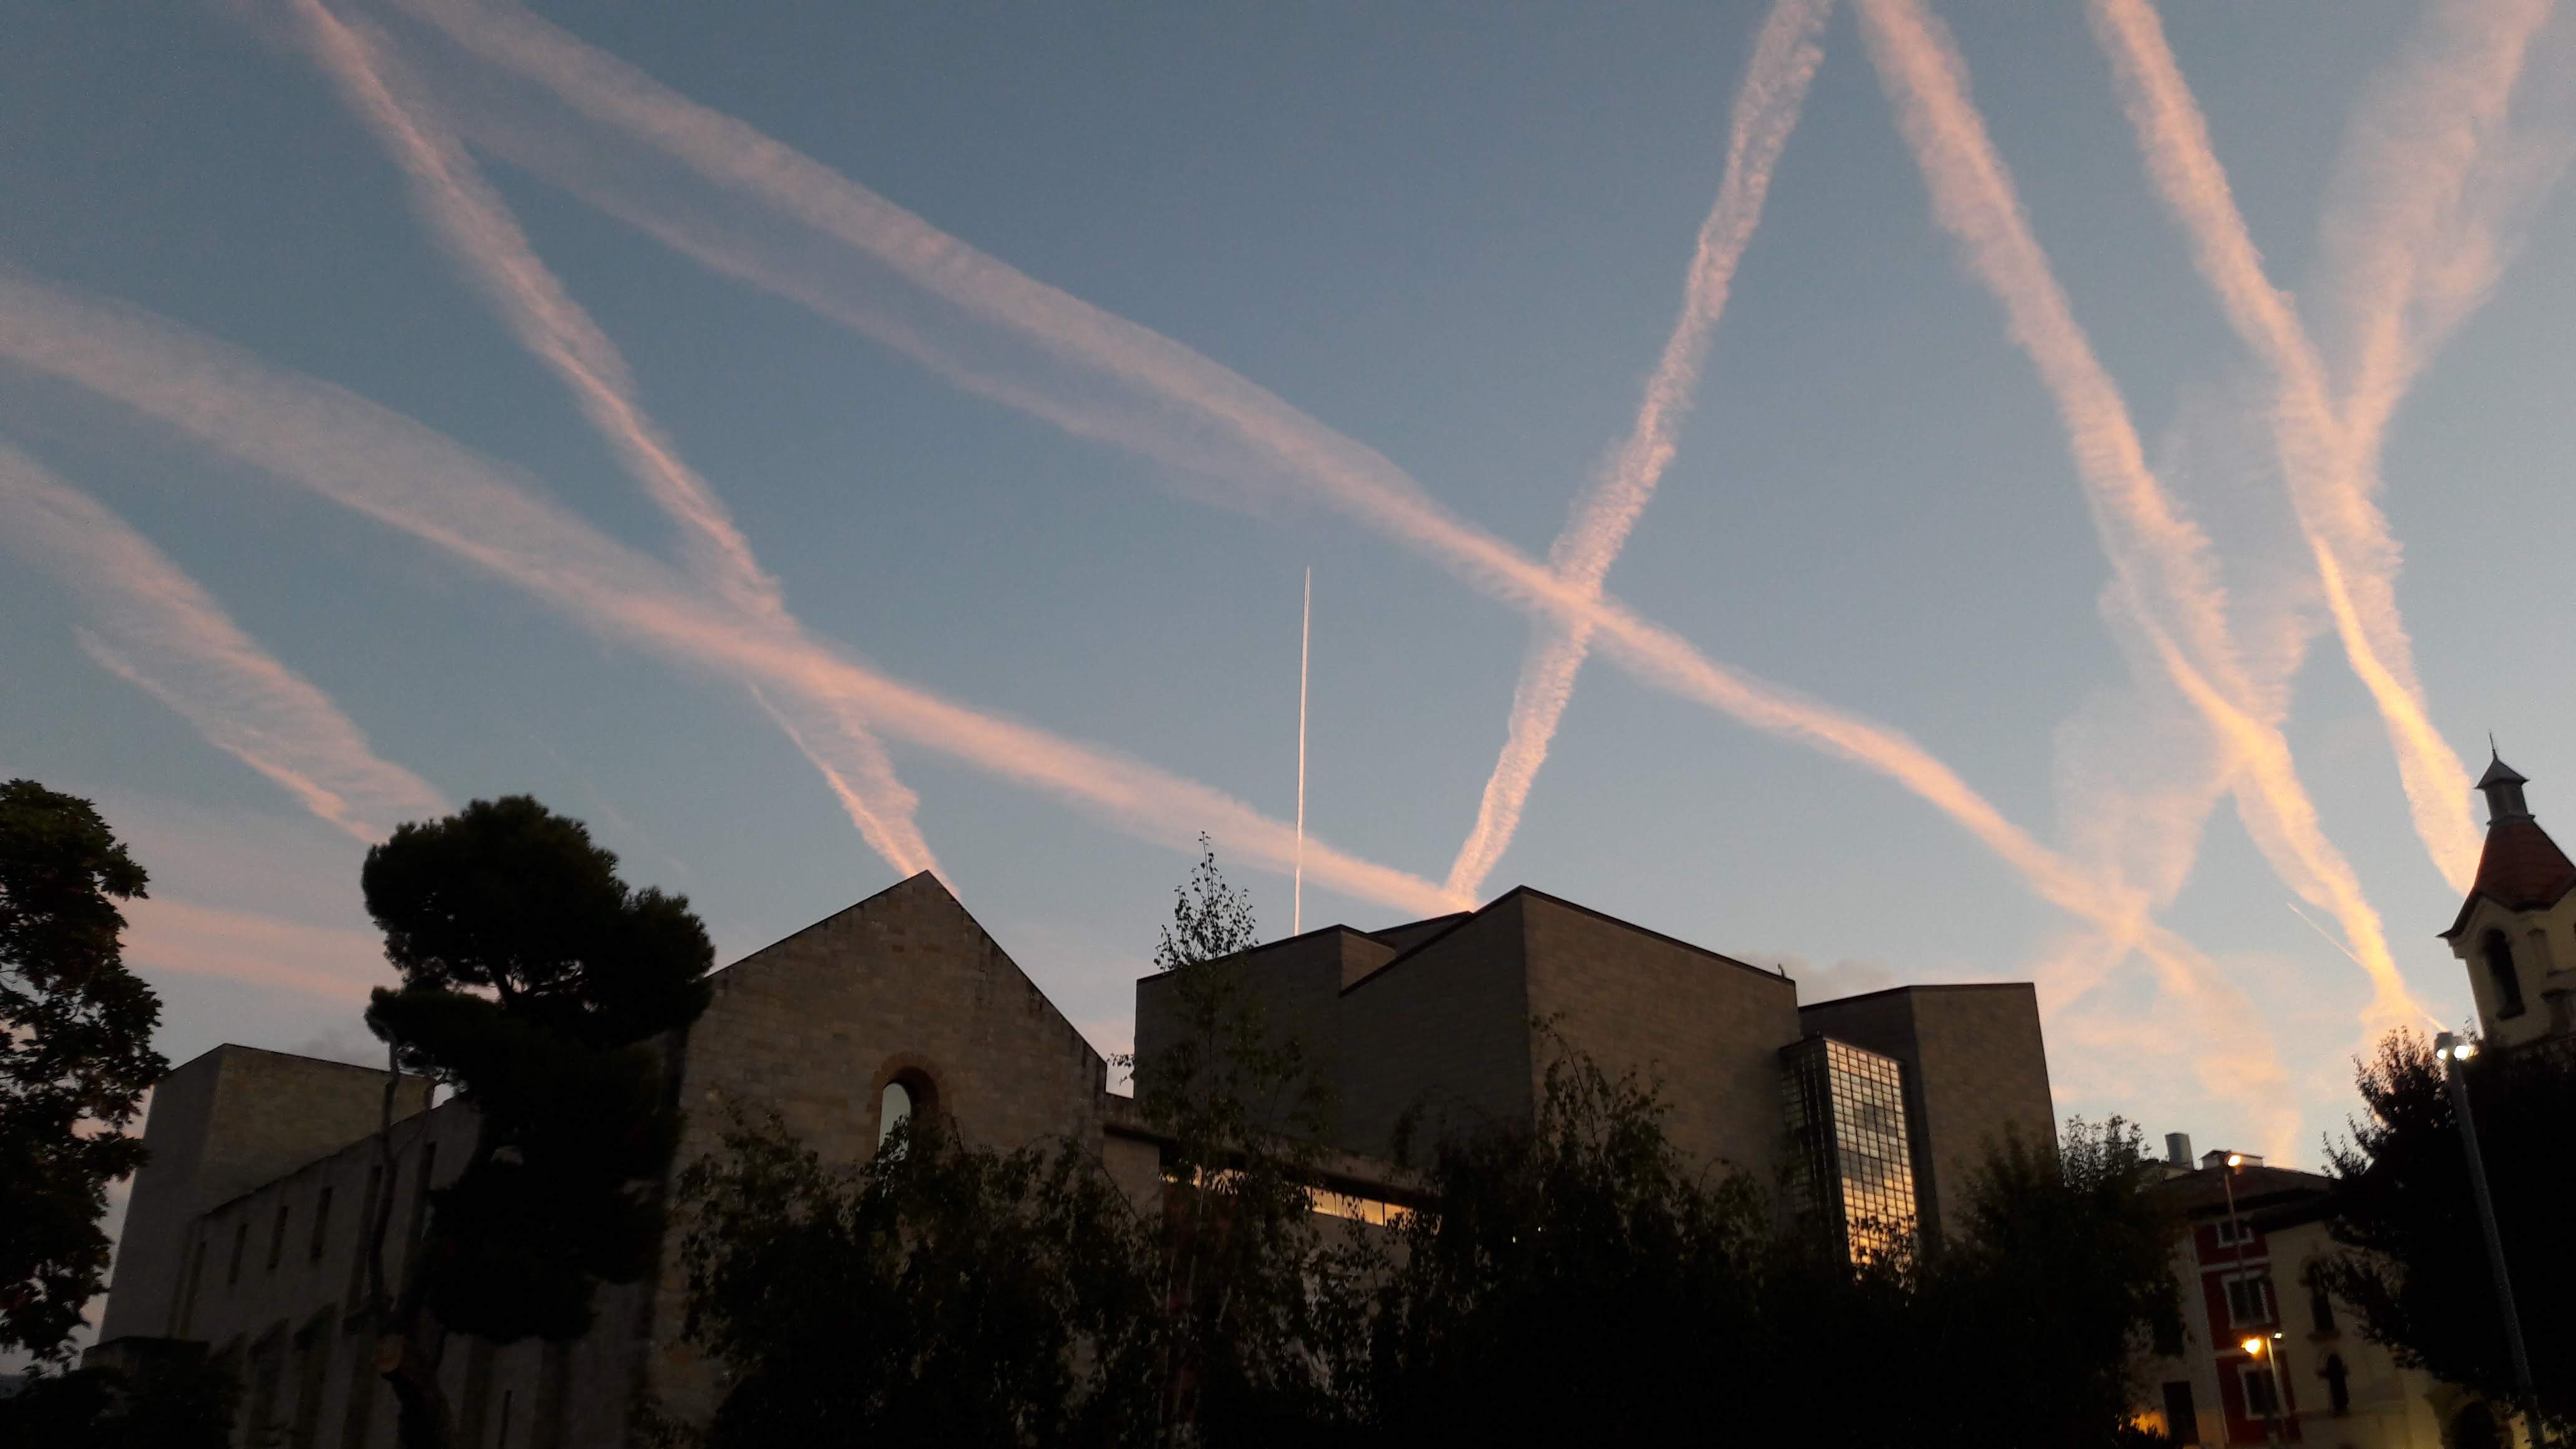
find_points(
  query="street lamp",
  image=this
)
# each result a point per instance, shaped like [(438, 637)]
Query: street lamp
[(2452, 1051), (2268, 1352)]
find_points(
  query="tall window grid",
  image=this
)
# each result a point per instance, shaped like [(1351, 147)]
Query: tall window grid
[(1845, 1111)]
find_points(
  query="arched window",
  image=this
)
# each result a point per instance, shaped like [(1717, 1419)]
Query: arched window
[(894, 1108), (2508, 982)]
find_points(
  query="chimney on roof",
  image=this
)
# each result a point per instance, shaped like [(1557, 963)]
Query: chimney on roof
[(2178, 1149), (2503, 789)]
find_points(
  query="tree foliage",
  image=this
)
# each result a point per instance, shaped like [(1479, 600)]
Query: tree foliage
[(2416, 1270), (75, 1057), (935, 1294), (1575, 1273), (536, 983), (186, 1402), (1234, 1248)]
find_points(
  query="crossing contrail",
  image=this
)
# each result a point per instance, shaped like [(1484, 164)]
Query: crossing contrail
[(1201, 406), (2329, 477), (2431, 198), (151, 625), (1767, 104), (2161, 560), (482, 234), (394, 470)]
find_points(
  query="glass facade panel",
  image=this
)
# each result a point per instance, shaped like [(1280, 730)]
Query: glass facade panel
[(1845, 1111)]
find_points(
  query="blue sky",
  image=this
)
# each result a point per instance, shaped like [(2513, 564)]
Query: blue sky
[(1449, 239)]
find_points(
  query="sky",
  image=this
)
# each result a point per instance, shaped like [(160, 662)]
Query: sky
[(1902, 492)]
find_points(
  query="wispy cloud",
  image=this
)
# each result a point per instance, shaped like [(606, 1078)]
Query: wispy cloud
[(1188, 406), (335, 963), (153, 626), (2330, 481), (480, 232), (419, 482), (1767, 104), (2165, 578)]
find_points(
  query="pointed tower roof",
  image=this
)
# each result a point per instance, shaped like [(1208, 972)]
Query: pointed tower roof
[(2521, 869), (2498, 772)]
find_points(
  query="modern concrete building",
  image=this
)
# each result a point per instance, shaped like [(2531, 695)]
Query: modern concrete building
[(1451, 1023), (245, 1234)]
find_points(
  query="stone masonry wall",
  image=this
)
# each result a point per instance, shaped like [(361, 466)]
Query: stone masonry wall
[(1707, 1026), (902, 985)]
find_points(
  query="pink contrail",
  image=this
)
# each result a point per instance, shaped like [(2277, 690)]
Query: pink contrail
[(155, 628), (1275, 438), (1767, 104), (481, 233), (2160, 558), (2356, 556), (392, 469)]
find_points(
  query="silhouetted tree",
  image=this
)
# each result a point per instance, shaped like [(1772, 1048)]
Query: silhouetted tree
[(1577, 1278), (75, 1058), (185, 1402), (1235, 1245), (2416, 1268), (938, 1293), (2063, 1270), (536, 984)]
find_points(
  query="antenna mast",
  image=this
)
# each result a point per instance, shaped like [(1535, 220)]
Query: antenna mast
[(1305, 649)]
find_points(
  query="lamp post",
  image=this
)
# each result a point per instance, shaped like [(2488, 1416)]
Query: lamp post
[(2452, 1052), (2269, 1351)]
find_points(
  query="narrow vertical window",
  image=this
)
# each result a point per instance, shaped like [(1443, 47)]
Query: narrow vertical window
[(277, 1239), (241, 1240), (188, 1297), (321, 1226), (2508, 982)]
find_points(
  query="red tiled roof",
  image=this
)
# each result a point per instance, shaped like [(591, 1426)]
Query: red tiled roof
[(2521, 869)]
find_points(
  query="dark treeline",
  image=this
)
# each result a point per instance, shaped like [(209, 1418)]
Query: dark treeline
[(1571, 1277)]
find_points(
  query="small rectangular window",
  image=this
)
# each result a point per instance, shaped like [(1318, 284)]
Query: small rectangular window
[(277, 1239), (241, 1240), (2249, 1299), (321, 1226), (2260, 1400), (2232, 1231)]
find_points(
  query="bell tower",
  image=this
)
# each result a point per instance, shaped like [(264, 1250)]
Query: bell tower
[(2516, 932)]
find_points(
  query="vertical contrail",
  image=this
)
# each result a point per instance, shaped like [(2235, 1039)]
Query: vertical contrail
[(1305, 652), (2321, 457), (480, 232), (152, 626), (2160, 558), (1767, 104), (421, 483)]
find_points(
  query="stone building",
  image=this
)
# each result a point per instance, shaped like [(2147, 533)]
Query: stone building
[(245, 1236)]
